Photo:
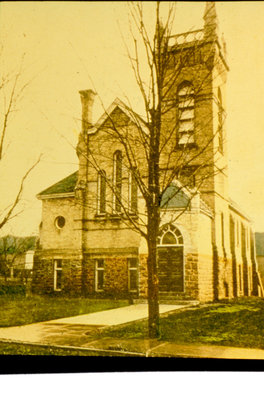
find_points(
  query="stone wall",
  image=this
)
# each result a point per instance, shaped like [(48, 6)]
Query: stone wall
[(205, 271), (115, 275), (89, 275), (43, 275), (191, 289), (143, 276), (225, 278)]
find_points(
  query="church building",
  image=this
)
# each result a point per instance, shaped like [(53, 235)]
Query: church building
[(206, 249)]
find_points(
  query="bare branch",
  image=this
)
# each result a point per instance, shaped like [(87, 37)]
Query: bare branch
[(10, 212)]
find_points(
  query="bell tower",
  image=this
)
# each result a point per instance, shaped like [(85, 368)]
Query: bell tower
[(197, 113), (198, 64)]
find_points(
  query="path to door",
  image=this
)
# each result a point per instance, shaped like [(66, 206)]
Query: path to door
[(117, 316), (65, 331)]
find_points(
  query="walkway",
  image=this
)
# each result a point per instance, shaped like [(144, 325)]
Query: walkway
[(75, 330), (78, 333)]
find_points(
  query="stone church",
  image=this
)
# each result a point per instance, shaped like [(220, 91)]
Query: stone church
[(206, 249)]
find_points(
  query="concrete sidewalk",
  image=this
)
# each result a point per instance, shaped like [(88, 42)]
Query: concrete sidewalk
[(79, 333), (156, 348), (118, 316), (74, 330)]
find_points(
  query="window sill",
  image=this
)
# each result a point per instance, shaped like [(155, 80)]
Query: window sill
[(186, 145), (116, 217), (103, 215)]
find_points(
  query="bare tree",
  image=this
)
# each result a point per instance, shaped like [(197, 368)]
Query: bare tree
[(11, 247), (158, 147), (12, 89)]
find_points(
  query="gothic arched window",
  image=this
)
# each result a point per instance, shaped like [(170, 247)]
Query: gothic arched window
[(117, 181), (132, 192), (185, 113), (101, 192), (220, 120), (170, 236)]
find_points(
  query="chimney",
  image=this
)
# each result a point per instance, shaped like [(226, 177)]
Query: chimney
[(87, 99)]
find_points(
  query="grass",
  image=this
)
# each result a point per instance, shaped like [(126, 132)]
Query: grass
[(238, 323), (20, 310), (35, 350)]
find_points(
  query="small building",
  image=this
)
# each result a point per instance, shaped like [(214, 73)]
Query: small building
[(17, 256)]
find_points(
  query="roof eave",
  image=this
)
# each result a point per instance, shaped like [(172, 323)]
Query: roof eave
[(55, 195)]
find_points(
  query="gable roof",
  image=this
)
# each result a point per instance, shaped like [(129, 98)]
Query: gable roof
[(134, 117), (178, 196), (66, 185), (174, 197)]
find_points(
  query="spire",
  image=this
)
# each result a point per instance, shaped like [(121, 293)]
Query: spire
[(210, 21)]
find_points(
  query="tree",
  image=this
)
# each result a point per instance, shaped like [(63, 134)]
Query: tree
[(11, 247), (12, 90), (158, 147)]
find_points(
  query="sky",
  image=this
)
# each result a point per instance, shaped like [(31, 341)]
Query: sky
[(65, 47)]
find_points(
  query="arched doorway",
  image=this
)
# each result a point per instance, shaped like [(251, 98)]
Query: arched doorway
[(170, 260)]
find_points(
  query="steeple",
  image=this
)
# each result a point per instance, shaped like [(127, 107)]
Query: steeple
[(210, 21)]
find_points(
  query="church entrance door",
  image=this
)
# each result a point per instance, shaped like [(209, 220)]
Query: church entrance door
[(170, 269), (171, 260)]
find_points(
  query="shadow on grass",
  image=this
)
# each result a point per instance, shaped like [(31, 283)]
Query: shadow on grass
[(238, 323)]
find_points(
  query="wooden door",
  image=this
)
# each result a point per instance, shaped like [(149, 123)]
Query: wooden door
[(170, 268)]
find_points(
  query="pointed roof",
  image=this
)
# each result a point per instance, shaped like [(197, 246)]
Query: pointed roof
[(210, 20), (66, 186), (210, 11), (117, 103), (62, 188), (178, 196)]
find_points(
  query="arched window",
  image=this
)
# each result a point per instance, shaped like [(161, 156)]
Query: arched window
[(101, 192), (220, 120), (117, 181), (186, 114), (132, 192), (170, 236)]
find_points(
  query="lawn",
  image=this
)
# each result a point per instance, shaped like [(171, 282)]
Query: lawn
[(36, 350), (20, 310), (238, 323)]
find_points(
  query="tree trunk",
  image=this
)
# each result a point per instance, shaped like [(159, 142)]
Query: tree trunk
[(153, 291), (153, 282)]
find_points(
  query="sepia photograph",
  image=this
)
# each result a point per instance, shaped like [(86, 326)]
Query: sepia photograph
[(131, 164)]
